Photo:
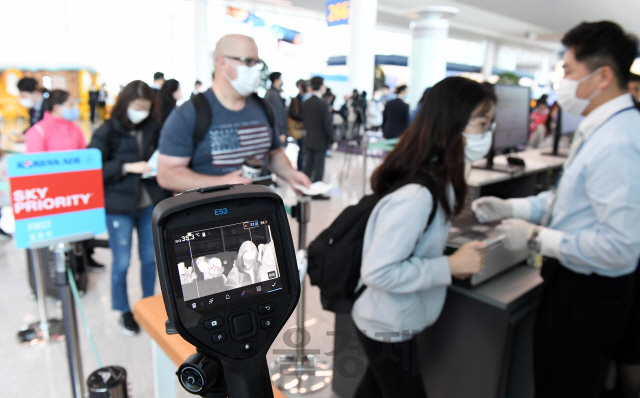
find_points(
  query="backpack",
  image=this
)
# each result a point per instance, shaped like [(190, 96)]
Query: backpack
[(343, 240), (204, 116)]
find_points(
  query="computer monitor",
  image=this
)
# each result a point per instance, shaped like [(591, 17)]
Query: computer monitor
[(568, 124), (511, 123), (512, 117)]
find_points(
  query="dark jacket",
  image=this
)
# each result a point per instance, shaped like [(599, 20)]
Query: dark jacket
[(279, 111), (395, 118), (167, 107), (118, 147), (317, 122), (295, 108)]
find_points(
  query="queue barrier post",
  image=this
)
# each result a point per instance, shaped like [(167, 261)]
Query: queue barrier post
[(300, 373)]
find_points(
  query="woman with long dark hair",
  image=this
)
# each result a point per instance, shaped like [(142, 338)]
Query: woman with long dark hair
[(170, 93), (127, 141), (403, 267)]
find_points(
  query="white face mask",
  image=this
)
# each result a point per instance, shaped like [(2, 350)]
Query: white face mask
[(247, 81), (567, 98), (26, 102), (135, 116), (248, 260), (478, 145)]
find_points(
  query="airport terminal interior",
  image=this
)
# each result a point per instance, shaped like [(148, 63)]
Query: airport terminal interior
[(324, 103)]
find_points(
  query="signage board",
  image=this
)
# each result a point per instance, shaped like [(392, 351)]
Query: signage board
[(56, 195), (337, 12)]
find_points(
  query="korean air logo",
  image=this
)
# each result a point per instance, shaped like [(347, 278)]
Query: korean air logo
[(49, 162)]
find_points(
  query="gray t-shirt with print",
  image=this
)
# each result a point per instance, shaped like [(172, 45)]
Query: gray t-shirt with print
[(232, 137)]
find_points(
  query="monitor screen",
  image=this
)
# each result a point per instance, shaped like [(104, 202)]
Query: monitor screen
[(512, 116), (225, 262), (569, 122)]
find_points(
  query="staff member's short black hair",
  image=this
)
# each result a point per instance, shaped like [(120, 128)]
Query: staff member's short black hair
[(401, 89), (27, 84), (158, 75), (197, 82), (603, 43), (316, 83), (275, 76), (634, 78)]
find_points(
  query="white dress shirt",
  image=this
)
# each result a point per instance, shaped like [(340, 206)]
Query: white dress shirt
[(595, 220)]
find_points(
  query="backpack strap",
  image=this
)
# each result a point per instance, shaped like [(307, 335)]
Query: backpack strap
[(203, 118), (267, 110), (430, 184)]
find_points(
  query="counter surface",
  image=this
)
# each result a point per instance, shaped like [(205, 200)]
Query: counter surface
[(535, 162), (507, 290), (151, 315)]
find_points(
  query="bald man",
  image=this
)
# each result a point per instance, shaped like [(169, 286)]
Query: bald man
[(239, 128)]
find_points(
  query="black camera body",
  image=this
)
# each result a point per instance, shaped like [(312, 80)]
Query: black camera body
[(229, 276)]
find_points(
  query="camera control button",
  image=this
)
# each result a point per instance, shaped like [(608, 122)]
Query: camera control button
[(219, 337), (266, 308), (246, 346), (266, 323), (213, 323), (242, 324)]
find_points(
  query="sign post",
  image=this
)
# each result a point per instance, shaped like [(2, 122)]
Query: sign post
[(57, 198)]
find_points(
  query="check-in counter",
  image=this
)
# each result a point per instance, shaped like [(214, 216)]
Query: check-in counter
[(481, 345)]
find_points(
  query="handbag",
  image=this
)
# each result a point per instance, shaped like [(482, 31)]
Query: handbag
[(295, 127)]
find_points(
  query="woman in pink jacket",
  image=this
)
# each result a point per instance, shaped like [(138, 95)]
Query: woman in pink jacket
[(56, 131)]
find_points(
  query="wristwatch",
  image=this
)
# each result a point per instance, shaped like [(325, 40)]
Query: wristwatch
[(534, 243)]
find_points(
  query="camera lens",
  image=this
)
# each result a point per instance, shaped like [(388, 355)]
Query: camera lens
[(191, 380), (199, 373)]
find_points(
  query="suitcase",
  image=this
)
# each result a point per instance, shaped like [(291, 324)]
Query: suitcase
[(75, 257)]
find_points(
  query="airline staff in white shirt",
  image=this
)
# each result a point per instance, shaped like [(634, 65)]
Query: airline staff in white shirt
[(588, 229)]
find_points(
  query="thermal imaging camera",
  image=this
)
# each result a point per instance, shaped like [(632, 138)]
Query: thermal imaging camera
[(229, 280)]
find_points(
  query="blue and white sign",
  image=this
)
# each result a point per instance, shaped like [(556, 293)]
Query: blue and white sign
[(56, 195)]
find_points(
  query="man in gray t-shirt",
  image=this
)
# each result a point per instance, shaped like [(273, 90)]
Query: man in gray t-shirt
[(239, 128)]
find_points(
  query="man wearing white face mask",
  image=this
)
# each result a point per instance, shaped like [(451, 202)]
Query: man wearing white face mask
[(32, 98), (205, 141), (590, 224)]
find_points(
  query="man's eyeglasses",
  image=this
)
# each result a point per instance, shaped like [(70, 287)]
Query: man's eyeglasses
[(247, 61)]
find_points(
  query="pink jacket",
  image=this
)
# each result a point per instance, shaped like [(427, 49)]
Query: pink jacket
[(54, 134)]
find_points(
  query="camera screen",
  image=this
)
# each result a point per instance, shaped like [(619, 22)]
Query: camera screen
[(228, 262)]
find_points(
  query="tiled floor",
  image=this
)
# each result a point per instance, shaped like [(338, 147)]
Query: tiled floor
[(41, 371)]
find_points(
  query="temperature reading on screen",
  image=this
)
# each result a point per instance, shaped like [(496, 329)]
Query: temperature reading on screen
[(251, 224)]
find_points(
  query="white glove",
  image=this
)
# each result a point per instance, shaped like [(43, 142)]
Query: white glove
[(490, 208), (516, 232)]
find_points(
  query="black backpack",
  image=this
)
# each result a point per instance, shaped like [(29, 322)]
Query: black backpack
[(335, 256), (204, 116)]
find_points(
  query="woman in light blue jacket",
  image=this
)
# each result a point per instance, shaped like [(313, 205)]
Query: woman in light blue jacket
[(403, 265)]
